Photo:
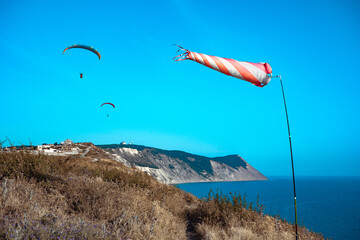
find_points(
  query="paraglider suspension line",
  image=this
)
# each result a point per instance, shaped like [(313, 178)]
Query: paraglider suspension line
[(292, 160)]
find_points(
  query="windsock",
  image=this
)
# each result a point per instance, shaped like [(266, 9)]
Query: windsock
[(259, 74)]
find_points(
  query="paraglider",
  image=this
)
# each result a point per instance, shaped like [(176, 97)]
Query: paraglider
[(259, 74), (83, 47), (107, 103)]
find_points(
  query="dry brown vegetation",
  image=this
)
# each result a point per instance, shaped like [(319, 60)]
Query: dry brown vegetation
[(43, 197)]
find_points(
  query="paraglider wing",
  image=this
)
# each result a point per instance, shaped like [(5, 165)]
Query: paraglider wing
[(259, 74), (83, 47), (109, 104)]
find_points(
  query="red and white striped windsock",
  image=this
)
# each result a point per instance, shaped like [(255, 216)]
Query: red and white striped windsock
[(259, 74)]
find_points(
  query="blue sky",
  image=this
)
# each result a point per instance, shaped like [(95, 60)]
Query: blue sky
[(314, 45)]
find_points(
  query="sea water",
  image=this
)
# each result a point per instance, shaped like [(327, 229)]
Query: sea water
[(329, 205)]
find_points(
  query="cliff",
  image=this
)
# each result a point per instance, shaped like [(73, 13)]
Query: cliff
[(173, 167)]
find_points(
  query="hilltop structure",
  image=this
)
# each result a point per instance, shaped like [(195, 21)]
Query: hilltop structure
[(66, 147)]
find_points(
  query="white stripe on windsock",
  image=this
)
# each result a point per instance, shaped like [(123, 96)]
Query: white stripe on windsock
[(192, 56), (249, 67), (259, 74), (212, 63), (198, 56), (233, 71)]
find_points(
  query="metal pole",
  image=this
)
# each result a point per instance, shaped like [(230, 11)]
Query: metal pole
[(292, 160)]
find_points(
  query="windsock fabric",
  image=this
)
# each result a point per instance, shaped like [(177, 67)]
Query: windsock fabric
[(255, 73)]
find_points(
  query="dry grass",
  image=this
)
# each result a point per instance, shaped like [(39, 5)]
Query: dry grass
[(43, 197)]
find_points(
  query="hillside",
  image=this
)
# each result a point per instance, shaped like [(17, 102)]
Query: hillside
[(174, 167), (94, 197)]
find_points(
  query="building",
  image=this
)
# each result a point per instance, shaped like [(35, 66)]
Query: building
[(68, 142), (65, 148)]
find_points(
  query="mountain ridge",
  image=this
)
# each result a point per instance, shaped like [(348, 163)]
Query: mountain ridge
[(175, 166)]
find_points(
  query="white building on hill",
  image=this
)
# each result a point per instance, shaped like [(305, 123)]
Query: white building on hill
[(65, 148), (68, 142)]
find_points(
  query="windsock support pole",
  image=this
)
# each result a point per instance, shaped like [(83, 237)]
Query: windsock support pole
[(292, 159)]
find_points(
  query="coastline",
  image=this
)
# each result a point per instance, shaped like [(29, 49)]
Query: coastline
[(220, 181)]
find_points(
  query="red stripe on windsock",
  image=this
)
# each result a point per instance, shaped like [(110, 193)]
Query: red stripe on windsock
[(268, 68), (220, 65), (207, 63), (247, 75)]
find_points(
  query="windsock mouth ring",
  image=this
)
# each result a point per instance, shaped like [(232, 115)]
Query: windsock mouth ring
[(268, 68)]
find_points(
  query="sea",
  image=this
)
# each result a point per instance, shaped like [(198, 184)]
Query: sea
[(327, 205)]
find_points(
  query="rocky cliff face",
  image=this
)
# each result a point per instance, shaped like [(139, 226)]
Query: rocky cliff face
[(173, 167)]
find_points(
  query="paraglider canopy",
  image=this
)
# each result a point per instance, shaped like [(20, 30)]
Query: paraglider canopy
[(83, 47), (109, 104)]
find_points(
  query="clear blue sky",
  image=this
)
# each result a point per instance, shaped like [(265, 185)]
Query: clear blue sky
[(314, 45)]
